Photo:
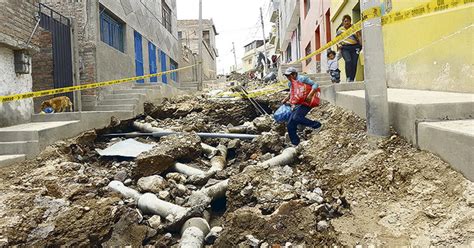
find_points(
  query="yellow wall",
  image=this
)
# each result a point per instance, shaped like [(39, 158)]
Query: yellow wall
[(433, 52)]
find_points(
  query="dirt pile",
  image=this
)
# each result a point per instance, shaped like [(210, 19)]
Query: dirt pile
[(341, 189)]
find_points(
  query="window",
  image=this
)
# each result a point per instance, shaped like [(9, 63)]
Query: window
[(111, 31), (166, 15), (180, 35), (173, 66), (206, 37), (152, 61), (307, 6), (307, 52), (138, 56)]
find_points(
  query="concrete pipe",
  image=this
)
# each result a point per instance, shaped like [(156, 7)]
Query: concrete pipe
[(148, 128), (210, 151), (186, 169), (193, 233), (285, 158), (149, 203), (219, 162), (204, 196), (127, 192)]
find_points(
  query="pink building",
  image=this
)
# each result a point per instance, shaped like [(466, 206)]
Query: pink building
[(315, 19)]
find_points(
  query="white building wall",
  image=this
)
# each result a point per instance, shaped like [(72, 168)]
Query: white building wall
[(11, 83)]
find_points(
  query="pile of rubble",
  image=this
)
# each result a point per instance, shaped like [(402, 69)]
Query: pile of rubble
[(180, 188)]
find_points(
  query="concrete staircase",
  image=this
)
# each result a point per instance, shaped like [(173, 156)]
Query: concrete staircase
[(26, 141), (320, 78), (189, 86), (116, 100)]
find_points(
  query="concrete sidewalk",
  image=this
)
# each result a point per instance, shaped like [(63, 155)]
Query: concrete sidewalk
[(25, 141), (423, 118)]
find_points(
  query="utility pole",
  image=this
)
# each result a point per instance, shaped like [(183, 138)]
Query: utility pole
[(235, 56), (374, 72), (200, 70), (264, 44)]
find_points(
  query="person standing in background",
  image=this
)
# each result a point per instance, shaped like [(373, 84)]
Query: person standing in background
[(350, 48)]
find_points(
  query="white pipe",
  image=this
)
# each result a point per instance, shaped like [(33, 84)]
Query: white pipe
[(285, 158), (127, 192), (148, 128), (186, 169), (150, 204), (218, 162), (204, 196), (193, 233), (209, 150)]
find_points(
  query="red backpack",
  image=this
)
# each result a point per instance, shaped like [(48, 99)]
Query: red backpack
[(299, 93)]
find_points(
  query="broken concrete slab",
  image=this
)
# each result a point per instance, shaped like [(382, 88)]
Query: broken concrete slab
[(180, 147), (129, 148)]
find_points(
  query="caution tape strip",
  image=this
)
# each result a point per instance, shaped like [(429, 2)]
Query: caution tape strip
[(397, 16), (41, 93)]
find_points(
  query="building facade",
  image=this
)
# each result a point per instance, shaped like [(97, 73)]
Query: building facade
[(120, 39), (18, 20), (189, 39), (252, 50), (316, 25), (290, 30)]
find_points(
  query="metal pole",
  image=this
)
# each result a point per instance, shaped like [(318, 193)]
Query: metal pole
[(200, 71), (374, 72), (264, 43), (235, 56)]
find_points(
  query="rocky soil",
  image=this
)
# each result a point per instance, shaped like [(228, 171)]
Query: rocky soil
[(343, 188)]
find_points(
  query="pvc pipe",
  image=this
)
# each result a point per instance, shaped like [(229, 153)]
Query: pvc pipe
[(149, 203), (204, 196), (202, 135), (286, 157), (127, 192), (193, 233), (186, 169), (159, 132)]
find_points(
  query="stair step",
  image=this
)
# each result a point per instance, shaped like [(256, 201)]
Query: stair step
[(115, 107), (131, 91), (118, 102), (124, 96), (6, 160), (30, 148)]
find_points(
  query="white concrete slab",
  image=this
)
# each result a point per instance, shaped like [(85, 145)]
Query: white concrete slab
[(409, 107), (453, 141), (6, 160)]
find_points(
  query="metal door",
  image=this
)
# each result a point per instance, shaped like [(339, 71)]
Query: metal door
[(163, 66), (138, 56), (152, 60), (60, 28)]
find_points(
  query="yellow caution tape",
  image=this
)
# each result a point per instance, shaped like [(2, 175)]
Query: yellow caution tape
[(423, 9), (41, 93)]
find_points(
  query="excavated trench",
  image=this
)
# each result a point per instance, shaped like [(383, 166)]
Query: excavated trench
[(338, 188)]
